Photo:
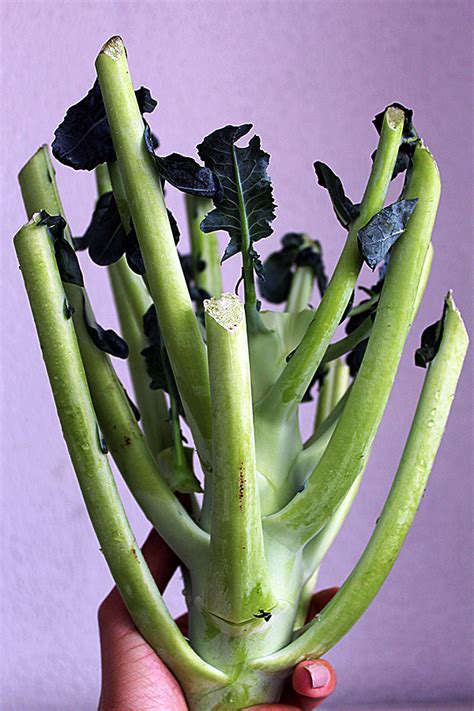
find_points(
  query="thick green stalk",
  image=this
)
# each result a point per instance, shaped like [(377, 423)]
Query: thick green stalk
[(238, 586), (80, 429), (165, 277), (132, 300), (346, 456), (291, 386), (38, 186), (204, 247), (400, 508), (117, 421)]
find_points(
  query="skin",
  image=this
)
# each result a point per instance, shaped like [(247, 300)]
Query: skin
[(135, 679)]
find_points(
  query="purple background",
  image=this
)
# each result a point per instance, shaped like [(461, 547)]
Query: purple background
[(310, 76)]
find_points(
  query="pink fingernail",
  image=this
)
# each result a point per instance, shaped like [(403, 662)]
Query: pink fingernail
[(319, 675)]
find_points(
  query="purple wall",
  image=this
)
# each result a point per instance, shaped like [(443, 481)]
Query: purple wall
[(310, 76)]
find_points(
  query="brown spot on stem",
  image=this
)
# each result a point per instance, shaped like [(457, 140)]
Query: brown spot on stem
[(241, 487), (134, 553)]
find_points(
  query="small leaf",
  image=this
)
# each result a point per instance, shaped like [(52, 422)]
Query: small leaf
[(244, 206), (68, 309), (105, 235), (174, 226), (311, 257), (83, 140), (430, 342), (355, 357), (104, 339), (383, 230), (278, 276), (318, 378), (133, 407), (346, 211), (101, 440), (66, 258), (156, 358), (133, 253), (187, 175)]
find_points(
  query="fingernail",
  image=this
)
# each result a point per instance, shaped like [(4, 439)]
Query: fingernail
[(318, 674)]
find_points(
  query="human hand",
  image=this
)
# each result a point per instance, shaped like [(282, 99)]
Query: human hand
[(135, 679)]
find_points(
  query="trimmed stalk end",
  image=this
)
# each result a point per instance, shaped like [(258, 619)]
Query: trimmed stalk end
[(114, 47), (394, 117), (226, 310)]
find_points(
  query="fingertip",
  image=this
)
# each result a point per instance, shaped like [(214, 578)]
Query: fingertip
[(314, 678)]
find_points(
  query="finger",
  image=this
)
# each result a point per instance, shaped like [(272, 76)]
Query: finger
[(313, 681), (272, 707), (160, 559), (319, 602)]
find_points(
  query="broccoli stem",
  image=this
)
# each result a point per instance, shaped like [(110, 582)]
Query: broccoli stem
[(400, 508), (341, 382), (292, 384), (165, 277), (204, 247), (132, 300), (323, 406), (346, 455), (76, 413), (301, 290), (238, 587), (117, 421)]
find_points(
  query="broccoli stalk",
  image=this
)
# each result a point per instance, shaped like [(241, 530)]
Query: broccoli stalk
[(273, 504)]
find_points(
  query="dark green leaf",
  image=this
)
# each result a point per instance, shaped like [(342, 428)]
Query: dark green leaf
[(313, 258), (83, 140), (105, 235), (156, 358), (318, 378), (244, 206), (133, 407), (430, 342), (355, 357), (174, 226), (104, 339), (383, 230), (279, 267), (133, 253), (187, 175), (278, 276), (101, 440), (66, 258), (344, 208)]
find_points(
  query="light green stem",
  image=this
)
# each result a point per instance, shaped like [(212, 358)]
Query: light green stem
[(238, 586), (323, 406), (346, 456), (165, 277), (204, 247), (117, 421), (341, 382), (132, 300), (289, 389), (301, 290), (400, 508), (76, 413)]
